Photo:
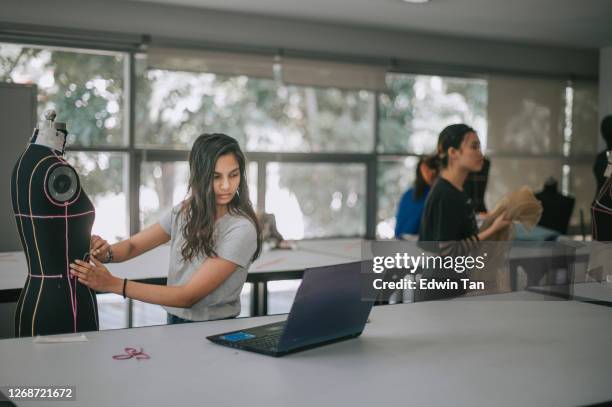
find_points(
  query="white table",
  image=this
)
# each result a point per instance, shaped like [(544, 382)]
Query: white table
[(462, 353), (273, 265), (593, 292), (152, 267)]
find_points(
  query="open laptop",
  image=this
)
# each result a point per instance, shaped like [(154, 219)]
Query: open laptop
[(328, 307)]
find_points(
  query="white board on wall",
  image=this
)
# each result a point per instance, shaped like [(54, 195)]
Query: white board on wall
[(17, 120)]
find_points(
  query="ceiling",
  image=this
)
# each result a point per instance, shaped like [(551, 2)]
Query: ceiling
[(577, 23)]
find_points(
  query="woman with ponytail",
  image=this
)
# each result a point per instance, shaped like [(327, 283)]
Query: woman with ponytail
[(448, 216), (214, 236)]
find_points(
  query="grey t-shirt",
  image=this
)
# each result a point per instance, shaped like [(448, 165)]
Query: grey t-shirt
[(235, 240)]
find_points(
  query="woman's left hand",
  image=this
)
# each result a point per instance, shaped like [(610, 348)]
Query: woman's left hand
[(95, 276)]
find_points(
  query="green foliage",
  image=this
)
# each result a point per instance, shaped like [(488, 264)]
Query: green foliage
[(173, 108), (82, 87)]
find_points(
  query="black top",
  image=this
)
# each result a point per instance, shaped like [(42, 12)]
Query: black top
[(448, 227), (556, 209), (54, 218), (448, 214), (599, 168)]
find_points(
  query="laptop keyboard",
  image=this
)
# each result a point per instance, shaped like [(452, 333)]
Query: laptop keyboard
[(265, 342)]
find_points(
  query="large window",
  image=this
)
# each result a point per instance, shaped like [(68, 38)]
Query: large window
[(416, 107), (261, 114), (412, 112), (164, 184), (268, 118), (104, 179), (316, 200), (86, 88), (542, 124)]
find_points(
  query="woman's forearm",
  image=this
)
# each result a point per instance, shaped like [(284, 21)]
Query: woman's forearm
[(485, 234), (171, 296), (122, 251), (140, 243)]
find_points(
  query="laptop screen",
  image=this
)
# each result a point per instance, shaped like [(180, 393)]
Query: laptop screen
[(328, 305)]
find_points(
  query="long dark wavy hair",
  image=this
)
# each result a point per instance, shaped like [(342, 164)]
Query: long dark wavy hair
[(200, 208)]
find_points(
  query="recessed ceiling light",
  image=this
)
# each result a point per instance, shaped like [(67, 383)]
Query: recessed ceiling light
[(416, 1)]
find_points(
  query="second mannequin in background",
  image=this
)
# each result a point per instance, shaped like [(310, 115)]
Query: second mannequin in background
[(557, 208)]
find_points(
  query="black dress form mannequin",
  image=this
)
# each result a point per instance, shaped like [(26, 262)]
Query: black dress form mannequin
[(54, 217), (602, 207), (557, 208)]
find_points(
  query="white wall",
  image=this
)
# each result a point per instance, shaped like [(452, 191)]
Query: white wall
[(201, 26)]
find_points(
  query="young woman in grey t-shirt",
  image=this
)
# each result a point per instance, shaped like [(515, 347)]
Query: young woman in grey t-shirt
[(214, 237)]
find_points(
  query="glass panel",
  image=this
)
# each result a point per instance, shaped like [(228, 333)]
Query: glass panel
[(252, 182), (281, 295), (583, 188), (395, 176), (112, 311), (84, 87), (245, 300), (418, 107), (164, 184), (526, 115), (174, 107), (104, 179), (509, 174), (148, 314), (316, 200)]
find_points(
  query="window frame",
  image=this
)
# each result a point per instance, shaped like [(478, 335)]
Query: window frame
[(130, 47)]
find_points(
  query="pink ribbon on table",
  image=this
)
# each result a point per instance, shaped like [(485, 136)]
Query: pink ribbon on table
[(132, 353)]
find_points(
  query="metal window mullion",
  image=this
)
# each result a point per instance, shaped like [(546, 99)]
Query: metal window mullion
[(162, 155), (101, 149), (261, 185), (309, 157), (372, 176), (133, 157), (288, 157)]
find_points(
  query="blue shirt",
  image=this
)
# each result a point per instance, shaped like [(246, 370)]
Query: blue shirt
[(409, 213)]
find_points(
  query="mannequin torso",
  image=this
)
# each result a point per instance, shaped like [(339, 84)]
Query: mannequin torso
[(54, 218)]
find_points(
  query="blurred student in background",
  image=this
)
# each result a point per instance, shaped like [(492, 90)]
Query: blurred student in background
[(410, 209)]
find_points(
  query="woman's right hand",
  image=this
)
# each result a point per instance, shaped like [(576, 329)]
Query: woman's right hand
[(99, 248), (500, 223)]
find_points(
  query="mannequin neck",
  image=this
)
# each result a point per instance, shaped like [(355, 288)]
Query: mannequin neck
[(49, 137)]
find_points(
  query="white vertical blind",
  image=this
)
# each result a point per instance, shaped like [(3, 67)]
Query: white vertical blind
[(525, 115), (585, 122), (508, 174), (221, 63), (293, 71), (342, 75)]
